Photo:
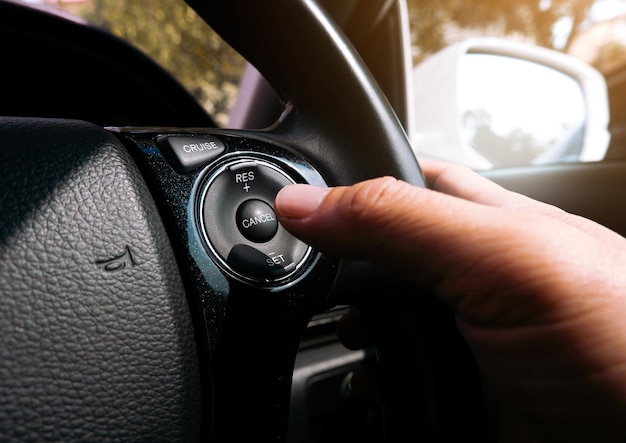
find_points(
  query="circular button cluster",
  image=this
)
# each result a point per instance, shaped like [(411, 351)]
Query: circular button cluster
[(241, 228)]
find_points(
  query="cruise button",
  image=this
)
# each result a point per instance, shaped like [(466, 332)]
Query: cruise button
[(256, 221), (189, 153)]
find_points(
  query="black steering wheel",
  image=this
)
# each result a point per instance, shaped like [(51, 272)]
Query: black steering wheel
[(147, 291)]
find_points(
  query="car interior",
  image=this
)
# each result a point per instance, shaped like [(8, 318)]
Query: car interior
[(137, 305)]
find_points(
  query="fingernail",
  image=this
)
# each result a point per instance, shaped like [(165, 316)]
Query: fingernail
[(299, 201)]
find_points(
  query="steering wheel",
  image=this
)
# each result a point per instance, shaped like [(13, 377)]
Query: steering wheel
[(148, 292)]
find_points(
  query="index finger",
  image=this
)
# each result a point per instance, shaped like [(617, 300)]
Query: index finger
[(460, 181)]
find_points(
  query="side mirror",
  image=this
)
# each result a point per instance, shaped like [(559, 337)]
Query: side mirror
[(491, 103)]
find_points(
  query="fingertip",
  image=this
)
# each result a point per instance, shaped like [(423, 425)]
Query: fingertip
[(299, 200)]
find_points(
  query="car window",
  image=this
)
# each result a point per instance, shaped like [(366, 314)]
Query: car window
[(174, 36), (589, 29), (495, 133), (484, 135)]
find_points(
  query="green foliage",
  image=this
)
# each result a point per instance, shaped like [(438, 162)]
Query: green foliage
[(435, 22), (172, 34)]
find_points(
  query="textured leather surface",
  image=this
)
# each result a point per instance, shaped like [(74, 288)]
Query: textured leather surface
[(96, 340)]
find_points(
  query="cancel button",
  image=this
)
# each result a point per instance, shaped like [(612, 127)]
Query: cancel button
[(256, 221)]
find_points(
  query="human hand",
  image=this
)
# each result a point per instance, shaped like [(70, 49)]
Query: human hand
[(539, 294)]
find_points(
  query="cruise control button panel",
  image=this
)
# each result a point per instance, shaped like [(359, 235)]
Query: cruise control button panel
[(237, 218)]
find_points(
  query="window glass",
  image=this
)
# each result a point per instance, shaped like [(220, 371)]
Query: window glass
[(592, 30), (174, 36), (589, 31)]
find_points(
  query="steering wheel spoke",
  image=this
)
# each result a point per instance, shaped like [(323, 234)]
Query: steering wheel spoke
[(254, 306)]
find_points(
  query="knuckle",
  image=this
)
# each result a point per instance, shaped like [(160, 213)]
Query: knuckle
[(370, 201)]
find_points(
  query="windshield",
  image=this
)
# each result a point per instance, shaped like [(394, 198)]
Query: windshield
[(173, 35)]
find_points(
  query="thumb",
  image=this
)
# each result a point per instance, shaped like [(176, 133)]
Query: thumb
[(386, 221), (469, 252), (348, 221)]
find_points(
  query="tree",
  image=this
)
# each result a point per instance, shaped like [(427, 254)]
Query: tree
[(436, 23), (172, 34)]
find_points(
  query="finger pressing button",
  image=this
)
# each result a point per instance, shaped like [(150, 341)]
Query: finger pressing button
[(256, 221)]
